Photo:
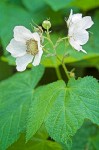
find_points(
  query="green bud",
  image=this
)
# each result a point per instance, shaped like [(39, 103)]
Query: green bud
[(46, 24), (72, 74)]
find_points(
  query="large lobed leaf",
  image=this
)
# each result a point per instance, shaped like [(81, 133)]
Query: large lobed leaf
[(63, 108), (16, 94)]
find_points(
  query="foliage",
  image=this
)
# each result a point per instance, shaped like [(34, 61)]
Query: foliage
[(85, 140), (66, 108), (39, 142), (15, 97), (59, 115)]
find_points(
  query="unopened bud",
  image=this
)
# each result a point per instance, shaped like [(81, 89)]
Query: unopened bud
[(72, 74), (46, 24)]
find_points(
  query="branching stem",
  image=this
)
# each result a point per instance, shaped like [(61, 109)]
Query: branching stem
[(62, 62)]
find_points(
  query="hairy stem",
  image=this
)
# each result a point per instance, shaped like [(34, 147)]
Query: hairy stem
[(58, 73), (66, 71), (64, 67), (62, 62)]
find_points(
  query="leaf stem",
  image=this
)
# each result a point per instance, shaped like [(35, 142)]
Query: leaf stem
[(58, 73), (64, 67), (66, 71)]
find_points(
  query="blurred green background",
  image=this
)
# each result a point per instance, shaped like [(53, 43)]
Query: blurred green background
[(23, 12)]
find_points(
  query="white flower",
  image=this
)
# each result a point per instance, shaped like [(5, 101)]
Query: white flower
[(25, 47), (77, 33)]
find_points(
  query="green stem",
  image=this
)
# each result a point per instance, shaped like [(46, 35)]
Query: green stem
[(66, 71), (64, 67), (64, 38), (49, 40), (58, 73)]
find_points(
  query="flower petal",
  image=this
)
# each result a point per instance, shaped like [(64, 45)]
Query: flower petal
[(74, 24), (23, 61), (16, 48), (76, 45), (22, 34), (70, 17), (73, 18), (81, 36), (37, 58), (76, 18), (36, 36), (86, 22)]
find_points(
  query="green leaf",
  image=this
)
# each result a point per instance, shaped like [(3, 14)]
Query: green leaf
[(5, 70), (16, 2), (85, 137), (16, 94), (85, 4), (39, 107), (39, 142), (64, 108), (58, 4), (34, 5), (95, 141)]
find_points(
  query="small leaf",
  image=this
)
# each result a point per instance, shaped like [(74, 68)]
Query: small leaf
[(16, 94), (64, 108)]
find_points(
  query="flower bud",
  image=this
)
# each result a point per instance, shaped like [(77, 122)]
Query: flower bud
[(46, 24), (72, 74)]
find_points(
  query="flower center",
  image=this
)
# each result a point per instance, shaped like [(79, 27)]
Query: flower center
[(32, 47)]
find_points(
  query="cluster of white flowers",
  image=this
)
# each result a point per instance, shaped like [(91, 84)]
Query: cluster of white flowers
[(26, 46), (77, 33)]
